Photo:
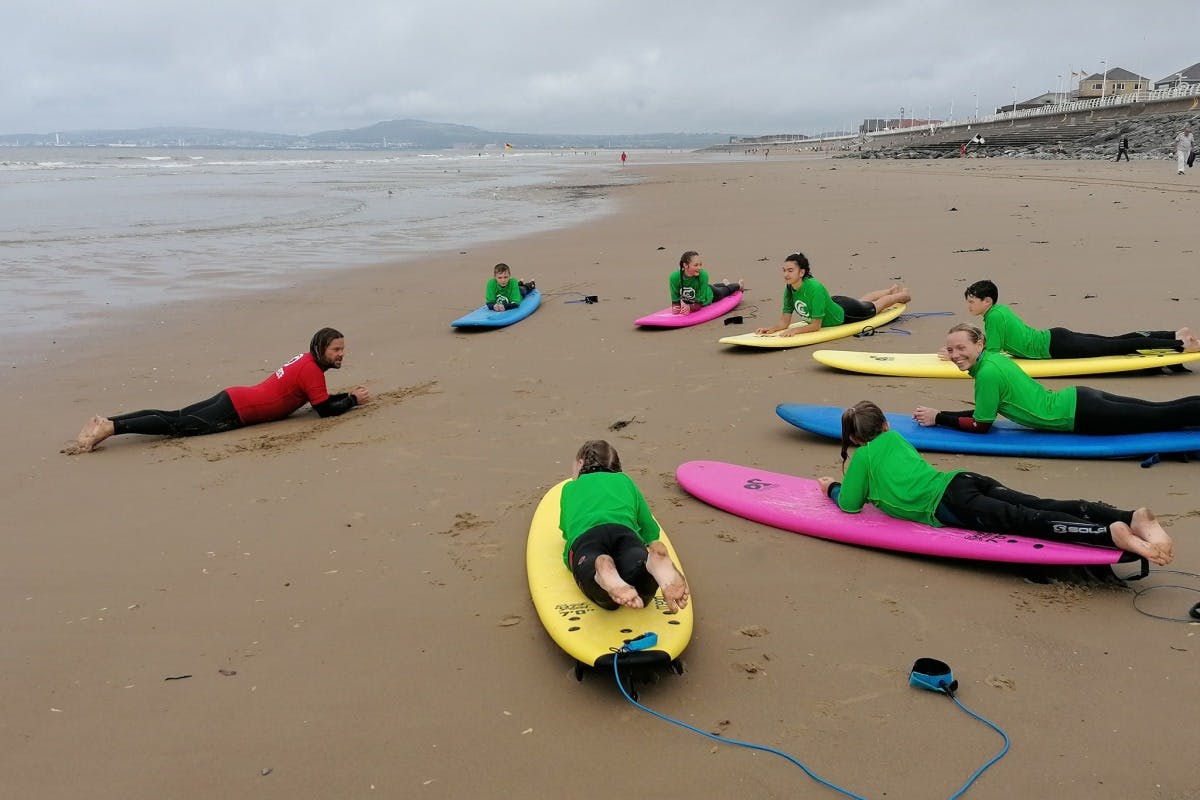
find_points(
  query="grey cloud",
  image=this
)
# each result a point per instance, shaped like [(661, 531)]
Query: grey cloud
[(587, 66)]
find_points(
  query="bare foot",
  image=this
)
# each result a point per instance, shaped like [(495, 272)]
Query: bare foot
[(94, 431), (1184, 333), (674, 586), (610, 581), (1191, 344), (1147, 528)]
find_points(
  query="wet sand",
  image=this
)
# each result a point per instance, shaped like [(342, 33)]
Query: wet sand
[(348, 595)]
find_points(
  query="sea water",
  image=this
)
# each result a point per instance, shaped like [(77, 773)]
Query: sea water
[(89, 231)]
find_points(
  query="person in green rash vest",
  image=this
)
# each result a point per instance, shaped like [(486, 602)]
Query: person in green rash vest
[(808, 299), (690, 289), (502, 292), (1008, 333), (887, 472), (1003, 389), (612, 544)]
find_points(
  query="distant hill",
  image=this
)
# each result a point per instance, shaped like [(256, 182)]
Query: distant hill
[(436, 135), (393, 135)]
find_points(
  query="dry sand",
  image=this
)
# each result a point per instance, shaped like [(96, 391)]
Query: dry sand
[(348, 595)]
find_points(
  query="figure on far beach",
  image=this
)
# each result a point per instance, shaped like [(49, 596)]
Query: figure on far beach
[(808, 299), (1008, 333), (690, 289), (889, 473), (612, 540), (299, 381), (1123, 149), (1183, 148), (1003, 389)]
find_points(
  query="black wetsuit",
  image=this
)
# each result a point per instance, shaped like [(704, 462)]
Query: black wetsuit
[(1070, 344), (213, 415), (980, 503), (1098, 412), (627, 550)]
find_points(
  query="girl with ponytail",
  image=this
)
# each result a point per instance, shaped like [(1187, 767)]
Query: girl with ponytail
[(612, 542), (889, 473)]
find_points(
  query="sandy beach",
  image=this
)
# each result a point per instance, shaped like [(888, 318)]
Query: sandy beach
[(347, 596)]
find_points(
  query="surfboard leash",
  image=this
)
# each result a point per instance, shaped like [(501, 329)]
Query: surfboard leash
[(927, 673), (1193, 614)]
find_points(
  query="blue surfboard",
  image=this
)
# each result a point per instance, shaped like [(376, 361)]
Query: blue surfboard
[(485, 317), (1005, 438)]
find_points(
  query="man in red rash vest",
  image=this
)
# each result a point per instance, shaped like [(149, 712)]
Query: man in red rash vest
[(299, 381)]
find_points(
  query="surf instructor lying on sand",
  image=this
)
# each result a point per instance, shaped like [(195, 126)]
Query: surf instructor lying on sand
[(299, 381), (889, 473), (1003, 389)]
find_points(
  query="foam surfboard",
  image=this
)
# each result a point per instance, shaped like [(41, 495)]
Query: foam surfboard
[(667, 319), (798, 505), (1005, 438), (485, 317), (585, 631), (817, 336), (928, 365)]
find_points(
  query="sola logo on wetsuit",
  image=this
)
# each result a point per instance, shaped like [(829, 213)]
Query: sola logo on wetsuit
[(687, 294)]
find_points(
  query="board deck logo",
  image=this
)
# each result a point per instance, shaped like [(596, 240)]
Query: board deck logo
[(758, 484)]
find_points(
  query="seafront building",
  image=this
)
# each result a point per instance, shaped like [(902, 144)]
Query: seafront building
[(1188, 76)]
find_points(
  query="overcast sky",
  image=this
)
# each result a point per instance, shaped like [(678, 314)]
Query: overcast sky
[(563, 66)]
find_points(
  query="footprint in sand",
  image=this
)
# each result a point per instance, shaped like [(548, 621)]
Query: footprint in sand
[(752, 668), (510, 620), (727, 537), (1001, 682), (753, 631)]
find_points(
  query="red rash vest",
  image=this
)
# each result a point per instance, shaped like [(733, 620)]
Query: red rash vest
[(297, 382)]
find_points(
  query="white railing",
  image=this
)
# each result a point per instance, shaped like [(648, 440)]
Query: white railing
[(1090, 104)]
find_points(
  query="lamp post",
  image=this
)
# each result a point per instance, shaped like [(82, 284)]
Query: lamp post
[(1104, 80), (1014, 108), (977, 105), (1058, 95)]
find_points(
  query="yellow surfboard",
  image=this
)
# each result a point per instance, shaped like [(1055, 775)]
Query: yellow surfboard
[(928, 365), (817, 336), (588, 633)]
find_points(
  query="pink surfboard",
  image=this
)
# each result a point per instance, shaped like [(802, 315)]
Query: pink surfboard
[(798, 505), (666, 319)]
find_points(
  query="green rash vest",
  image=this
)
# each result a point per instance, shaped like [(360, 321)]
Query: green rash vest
[(511, 292), (699, 284), (603, 498), (1002, 388), (1005, 332), (890, 474), (812, 301)]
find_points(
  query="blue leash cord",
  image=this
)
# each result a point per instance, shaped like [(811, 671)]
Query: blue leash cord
[(991, 761), (796, 761), (920, 314), (723, 740)]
